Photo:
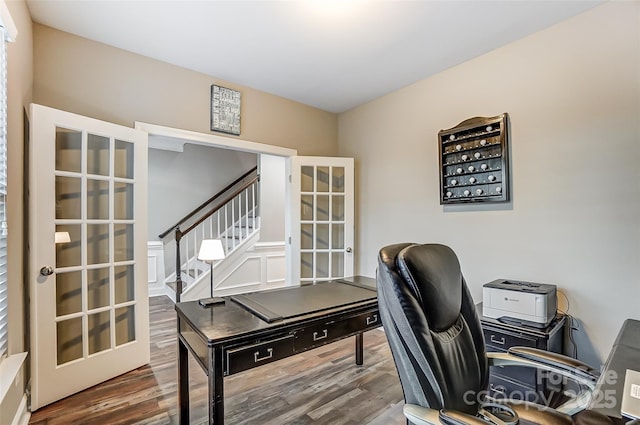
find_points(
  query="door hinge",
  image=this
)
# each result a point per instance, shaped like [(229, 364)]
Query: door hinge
[(289, 240), (289, 178)]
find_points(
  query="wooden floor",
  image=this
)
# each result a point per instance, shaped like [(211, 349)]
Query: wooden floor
[(321, 386)]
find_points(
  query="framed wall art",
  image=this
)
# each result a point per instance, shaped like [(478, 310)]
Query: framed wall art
[(225, 110)]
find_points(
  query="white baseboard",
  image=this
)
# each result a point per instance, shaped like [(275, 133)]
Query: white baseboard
[(22, 415)]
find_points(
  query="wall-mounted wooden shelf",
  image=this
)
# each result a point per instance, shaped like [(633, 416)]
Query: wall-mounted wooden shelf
[(474, 161)]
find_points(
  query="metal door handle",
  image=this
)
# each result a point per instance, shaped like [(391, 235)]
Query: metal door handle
[(46, 271), (349, 249)]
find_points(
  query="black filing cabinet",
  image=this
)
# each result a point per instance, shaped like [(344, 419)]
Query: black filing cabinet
[(523, 382)]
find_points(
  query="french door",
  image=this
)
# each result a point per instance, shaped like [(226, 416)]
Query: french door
[(321, 225), (87, 252)]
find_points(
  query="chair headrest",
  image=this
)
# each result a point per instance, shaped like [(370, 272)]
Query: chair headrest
[(433, 272)]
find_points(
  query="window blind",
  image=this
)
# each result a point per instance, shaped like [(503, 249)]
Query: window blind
[(4, 325)]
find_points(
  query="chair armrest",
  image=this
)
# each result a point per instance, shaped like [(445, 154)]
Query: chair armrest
[(551, 362), (419, 415), (542, 360), (571, 365), (453, 417)]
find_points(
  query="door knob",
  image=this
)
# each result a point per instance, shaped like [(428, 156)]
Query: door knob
[(46, 271), (349, 249)]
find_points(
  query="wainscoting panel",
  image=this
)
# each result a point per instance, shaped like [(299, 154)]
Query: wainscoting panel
[(276, 269), (246, 274), (155, 265), (262, 266)]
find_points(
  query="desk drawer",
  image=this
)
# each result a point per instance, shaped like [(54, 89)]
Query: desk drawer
[(250, 356), (501, 341), (317, 335)]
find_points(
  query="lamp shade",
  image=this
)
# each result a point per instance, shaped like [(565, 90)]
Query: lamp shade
[(210, 250), (62, 237)]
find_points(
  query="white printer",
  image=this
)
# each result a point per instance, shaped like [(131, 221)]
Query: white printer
[(528, 303)]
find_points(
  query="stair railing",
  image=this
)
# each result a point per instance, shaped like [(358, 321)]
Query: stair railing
[(231, 215)]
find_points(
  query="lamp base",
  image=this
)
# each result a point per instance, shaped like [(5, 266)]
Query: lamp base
[(206, 302)]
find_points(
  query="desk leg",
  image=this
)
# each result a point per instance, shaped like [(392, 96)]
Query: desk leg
[(216, 394), (359, 349), (183, 383)]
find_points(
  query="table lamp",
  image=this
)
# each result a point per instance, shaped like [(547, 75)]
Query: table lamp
[(210, 251)]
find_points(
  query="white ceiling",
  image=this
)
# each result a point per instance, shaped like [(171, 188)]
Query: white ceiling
[(329, 54)]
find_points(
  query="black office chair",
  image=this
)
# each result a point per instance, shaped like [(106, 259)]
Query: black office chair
[(438, 347)]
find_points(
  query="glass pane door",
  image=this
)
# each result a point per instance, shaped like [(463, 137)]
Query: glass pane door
[(94, 195), (88, 291), (322, 235)]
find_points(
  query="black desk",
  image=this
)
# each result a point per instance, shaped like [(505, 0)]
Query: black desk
[(625, 354), (228, 338)]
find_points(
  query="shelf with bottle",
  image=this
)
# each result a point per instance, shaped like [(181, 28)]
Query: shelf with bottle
[(472, 134), (474, 161)]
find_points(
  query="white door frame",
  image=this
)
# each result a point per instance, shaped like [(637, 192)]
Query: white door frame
[(161, 135), (170, 138), (173, 138)]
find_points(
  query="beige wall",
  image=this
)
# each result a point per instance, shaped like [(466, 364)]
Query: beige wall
[(573, 95), (20, 78), (85, 77)]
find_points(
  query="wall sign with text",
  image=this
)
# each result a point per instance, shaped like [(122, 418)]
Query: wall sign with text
[(225, 110)]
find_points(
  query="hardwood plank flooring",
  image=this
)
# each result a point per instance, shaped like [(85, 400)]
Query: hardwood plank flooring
[(321, 386)]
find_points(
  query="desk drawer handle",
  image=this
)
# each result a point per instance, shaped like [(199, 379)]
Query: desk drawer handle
[(497, 341), (257, 359), (317, 337), (372, 320)]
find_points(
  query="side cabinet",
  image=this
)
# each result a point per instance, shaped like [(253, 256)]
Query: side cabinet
[(523, 382)]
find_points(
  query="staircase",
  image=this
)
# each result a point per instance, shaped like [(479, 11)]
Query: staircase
[(230, 216)]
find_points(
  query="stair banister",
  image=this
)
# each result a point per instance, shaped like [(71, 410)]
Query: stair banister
[(179, 234), (207, 202), (222, 204)]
